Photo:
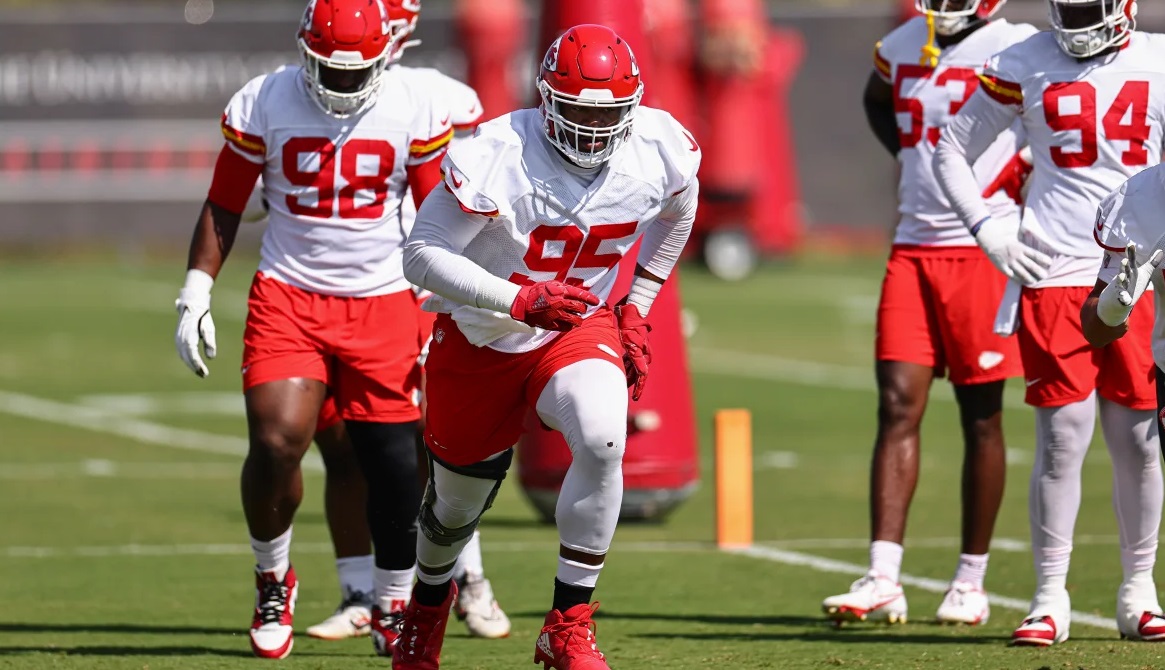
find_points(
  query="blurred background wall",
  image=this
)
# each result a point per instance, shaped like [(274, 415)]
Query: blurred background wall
[(109, 111)]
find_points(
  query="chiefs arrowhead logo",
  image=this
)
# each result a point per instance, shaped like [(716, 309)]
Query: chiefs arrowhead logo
[(550, 62)]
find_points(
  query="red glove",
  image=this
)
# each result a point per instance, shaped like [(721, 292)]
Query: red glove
[(552, 305), (633, 330), (1011, 178)]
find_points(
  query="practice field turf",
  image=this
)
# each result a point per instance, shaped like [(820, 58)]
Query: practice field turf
[(122, 541)]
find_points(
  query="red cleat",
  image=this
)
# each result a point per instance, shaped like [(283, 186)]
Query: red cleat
[(421, 632), (567, 641), (274, 609), (385, 626)]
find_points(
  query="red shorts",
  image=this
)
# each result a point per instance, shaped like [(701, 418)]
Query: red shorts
[(329, 416), (1062, 368), (478, 397), (364, 349), (938, 309)]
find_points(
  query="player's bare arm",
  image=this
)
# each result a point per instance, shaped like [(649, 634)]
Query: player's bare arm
[(1096, 331), (1106, 312), (878, 101)]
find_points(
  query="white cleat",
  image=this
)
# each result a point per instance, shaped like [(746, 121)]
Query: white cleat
[(1047, 624), (871, 598), (1138, 614), (964, 603), (352, 618), (475, 605)]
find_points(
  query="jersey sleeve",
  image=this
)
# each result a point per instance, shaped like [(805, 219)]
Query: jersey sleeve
[(431, 131), (1126, 215), (682, 155), (470, 169), (464, 106), (882, 65), (1002, 78), (244, 123)]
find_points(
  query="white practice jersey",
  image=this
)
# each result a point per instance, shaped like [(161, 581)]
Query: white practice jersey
[(1133, 213), (335, 186), (549, 220), (1091, 125), (925, 98), (465, 114)]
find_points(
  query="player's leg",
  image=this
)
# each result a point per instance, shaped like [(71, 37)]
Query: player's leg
[(1060, 378), (375, 381), (344, 507), (281, 418), (284, 377), (587, 402), (1127, 387), (907, 353), (454, 501), (969, 290)]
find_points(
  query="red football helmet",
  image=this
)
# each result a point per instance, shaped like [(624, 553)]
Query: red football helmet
[(589, 75), (954, 16), (345, 46), (1085, 28)]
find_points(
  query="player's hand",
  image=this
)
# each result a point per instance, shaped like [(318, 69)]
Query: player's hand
[(1117, 299), (633, 331), (195, 327), (1011, 178), (552, 305), (1010, 255)]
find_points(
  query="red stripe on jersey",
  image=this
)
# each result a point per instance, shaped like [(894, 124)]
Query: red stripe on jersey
[(1096, 236), (466, 209), (1002, 91), (247, 143), (420, 148)]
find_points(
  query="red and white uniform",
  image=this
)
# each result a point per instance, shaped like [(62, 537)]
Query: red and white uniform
[(1091, 125), (515, 212), (940, 292), (330, 301), (925, 99), (1132, 213)]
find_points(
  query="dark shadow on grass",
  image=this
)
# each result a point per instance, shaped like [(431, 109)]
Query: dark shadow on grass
[(122, 650), (832, 636), (147, 629)]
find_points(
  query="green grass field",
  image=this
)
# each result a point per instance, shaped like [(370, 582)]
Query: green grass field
[(122, 541)]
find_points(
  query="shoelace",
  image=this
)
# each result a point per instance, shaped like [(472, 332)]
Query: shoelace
[(272, 602), (355, 599), (584, 643)]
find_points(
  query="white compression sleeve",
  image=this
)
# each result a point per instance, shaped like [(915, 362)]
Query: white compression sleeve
[(433, 260), (1137, 488), (664, 239), (963, 141)]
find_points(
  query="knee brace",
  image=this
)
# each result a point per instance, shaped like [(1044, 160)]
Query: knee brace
[(486, 472)]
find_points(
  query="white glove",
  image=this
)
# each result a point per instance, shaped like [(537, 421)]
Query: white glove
[(1015, 259), (1117, 299), (195, 324)]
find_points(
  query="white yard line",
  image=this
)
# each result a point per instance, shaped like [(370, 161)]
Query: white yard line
[(764, 553), (104, 468), (822, 564), (112, 423)]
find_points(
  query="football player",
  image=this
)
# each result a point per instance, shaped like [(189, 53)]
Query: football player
[(475, 604), (1091, 95), (338, 140), (938, 302), (520, 249)]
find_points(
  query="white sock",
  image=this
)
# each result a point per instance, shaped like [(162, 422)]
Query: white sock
[(469, 565), (1062, 438), (393, 585), (355, 575), (1137, 487), (273, 555), (972, 569), (886, 559), (578, 574)]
